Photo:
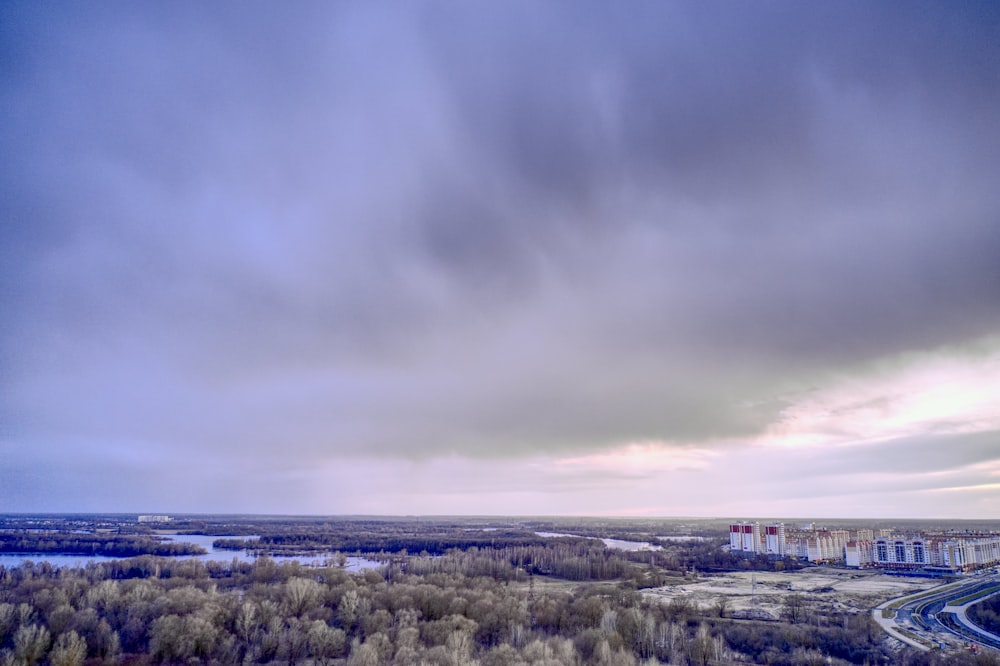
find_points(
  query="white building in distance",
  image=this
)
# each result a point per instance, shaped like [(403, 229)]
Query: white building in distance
[(748, 537), (154, 519)]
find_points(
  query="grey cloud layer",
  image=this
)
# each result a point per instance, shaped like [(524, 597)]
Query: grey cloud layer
[(484, 230)]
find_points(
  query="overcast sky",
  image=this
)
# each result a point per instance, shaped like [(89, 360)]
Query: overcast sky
[(716, 259)]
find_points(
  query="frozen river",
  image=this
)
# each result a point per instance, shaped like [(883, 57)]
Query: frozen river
[(610, 543)]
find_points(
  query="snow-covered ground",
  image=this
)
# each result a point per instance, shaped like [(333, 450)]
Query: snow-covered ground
[(766, 591)]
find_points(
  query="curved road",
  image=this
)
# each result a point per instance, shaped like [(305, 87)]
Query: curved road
[(932, 618)]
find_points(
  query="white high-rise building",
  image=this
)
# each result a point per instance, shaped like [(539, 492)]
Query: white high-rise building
[(827, 546), (858, 554), (774, 539), (969, 554), (901, 552), (745, 537)]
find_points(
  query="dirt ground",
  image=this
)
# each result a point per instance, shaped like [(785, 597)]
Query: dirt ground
[(840, 589)]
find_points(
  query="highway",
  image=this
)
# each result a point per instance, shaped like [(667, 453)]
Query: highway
[(938, 616)]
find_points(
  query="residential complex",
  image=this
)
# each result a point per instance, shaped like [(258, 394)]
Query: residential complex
[(937, 551), (945, 551), (748, 537)]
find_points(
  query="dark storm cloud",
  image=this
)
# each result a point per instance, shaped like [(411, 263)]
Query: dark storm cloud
[(486, 230), (906, 456), (765, 119)]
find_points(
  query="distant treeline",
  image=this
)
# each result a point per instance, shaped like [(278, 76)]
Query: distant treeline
[(433, 535), (569, 558), (111, 545), (349, 540)]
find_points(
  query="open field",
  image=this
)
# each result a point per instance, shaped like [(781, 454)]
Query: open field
[(821, 587)]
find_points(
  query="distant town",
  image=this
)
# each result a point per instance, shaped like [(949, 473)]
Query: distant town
[(943, 551)]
